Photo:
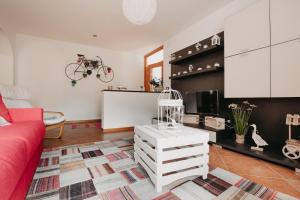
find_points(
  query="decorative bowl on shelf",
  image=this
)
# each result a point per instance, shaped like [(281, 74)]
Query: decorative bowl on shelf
[(217, 64), (191, 67), (198, 46), (173, 57)]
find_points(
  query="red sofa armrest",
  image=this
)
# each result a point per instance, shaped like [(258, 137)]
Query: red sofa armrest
[(26, 114)]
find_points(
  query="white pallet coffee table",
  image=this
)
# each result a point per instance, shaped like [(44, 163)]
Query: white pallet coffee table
[(170, 155)]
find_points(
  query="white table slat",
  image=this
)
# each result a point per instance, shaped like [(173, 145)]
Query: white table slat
[(145, 146), (169, 155), (181, 141), (185, 152), (149, 139), (184, 164), (145, 158), (148, 170), (193, 172)]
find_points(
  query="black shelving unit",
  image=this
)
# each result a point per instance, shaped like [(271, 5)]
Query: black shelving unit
[(189, 74), (202, 52), (270, 154), (225, 139)]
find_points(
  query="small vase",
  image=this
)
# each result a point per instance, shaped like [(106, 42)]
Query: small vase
[(158, 89), (240, 139)]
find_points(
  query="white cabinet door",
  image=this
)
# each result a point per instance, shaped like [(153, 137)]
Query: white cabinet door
[(248, 74), (285, 72), (248, 29), (285, 20)]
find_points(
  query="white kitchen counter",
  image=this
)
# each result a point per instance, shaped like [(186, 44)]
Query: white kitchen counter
[(125, 109)]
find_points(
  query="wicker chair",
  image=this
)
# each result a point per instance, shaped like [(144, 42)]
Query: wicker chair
[(18, 97), (54, 120)]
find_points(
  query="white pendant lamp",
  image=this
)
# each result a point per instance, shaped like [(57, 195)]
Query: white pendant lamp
[(139, 12)]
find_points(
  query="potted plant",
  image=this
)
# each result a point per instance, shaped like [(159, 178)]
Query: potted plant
[(241, 115), (156, 84)]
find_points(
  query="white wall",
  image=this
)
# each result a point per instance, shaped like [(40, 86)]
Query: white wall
[(212, 24), (6, 60), (40, 65)]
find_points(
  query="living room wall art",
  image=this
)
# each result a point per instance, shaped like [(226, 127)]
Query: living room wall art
[(83, 68)]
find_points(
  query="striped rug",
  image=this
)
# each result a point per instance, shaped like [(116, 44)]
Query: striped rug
[(106, 170)]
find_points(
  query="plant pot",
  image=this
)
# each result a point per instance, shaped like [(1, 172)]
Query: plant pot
[(158, 89), (240, 139)]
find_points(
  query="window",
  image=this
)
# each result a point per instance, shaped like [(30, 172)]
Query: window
[(153, 66)]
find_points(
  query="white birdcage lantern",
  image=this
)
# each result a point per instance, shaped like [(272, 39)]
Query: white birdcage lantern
[(170, 109)]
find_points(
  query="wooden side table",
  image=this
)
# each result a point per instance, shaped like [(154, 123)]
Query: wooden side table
[(170, 155)]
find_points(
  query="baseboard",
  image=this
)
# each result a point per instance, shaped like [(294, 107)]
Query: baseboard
[(82, 121), (115, 130)]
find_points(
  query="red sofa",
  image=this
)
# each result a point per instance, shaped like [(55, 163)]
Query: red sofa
[(20, 151)]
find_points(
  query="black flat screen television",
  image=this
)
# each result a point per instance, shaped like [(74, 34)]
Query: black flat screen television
[(202, 102)]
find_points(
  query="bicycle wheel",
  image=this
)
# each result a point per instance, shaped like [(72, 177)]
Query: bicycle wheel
[(74, 71), (105, 74)]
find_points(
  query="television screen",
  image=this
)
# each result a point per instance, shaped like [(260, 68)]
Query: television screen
[(202, 102)]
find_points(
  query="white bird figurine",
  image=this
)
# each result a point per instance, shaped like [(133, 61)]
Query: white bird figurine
[(257, 139)]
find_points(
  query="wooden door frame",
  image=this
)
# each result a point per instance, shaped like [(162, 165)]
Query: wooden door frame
[(147, 67), (154, 65)]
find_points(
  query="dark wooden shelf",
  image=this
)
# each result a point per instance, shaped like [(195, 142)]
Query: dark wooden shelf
[(201, 52), (271, 154), (204, 71), (225, 138)]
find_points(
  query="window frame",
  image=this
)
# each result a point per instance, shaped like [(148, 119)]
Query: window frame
[(147, 67)]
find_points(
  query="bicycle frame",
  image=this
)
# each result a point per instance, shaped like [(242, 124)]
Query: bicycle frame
[(86, 66), (82, 60)]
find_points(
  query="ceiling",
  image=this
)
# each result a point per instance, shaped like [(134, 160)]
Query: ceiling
[(78, 20)]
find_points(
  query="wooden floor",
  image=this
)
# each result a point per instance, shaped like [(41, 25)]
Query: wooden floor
[(273, 176), (81, 135)]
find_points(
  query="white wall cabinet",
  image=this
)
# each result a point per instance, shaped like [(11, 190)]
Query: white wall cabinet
[(252, 74), (248, 74), (285, 20), (248, 29), (285, 73)]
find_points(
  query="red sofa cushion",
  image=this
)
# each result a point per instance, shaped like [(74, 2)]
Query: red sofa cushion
[(26, 114), (25, 181), (12, 164), (31, 133), (20, 149), (4, 111)]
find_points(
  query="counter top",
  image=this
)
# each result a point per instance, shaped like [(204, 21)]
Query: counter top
[(128, 91)]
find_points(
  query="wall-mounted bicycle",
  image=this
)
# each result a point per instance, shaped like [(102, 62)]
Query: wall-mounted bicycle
[(85, 67)]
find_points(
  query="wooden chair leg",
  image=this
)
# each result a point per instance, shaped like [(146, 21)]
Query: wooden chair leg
[(61, 130)]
